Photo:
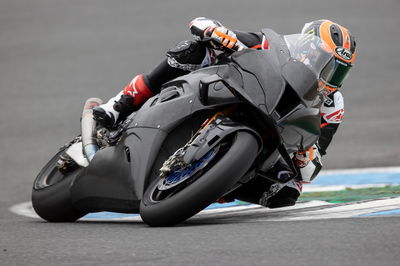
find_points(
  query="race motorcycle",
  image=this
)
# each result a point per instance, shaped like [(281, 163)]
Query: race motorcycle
[(204, 135)]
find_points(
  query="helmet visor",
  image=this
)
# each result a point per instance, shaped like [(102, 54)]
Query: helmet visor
[(335, 72)]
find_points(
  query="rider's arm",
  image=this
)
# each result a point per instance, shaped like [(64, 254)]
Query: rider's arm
[(331, 116), (325, 139), (186, 56), (309, 162)]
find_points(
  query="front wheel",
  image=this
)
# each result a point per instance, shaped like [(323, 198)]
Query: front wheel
[(221, 169)]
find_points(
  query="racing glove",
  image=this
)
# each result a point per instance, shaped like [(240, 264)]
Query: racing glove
[(204, 29), (222, 37), (302, 158)]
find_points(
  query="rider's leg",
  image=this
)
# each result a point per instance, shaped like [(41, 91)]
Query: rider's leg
[(124, 103)]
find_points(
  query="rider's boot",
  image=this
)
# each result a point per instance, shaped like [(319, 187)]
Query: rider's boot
[(123, 104), (287, 196), (266, 192), (105, 114), (283, 193)]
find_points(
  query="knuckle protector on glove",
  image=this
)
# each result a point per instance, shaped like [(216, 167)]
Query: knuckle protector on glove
[(224, 36), (200, 26)]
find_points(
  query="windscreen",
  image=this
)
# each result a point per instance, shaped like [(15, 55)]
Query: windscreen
[(311, 51)]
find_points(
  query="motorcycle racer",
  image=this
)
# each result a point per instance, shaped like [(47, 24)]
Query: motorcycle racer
[(210, 36)]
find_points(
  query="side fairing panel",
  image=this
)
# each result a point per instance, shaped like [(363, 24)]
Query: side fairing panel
[(176, 105), (106, 183), (178, 99), (166, 113), (262, 77), (300, 129), (143, 146), (302, 80)]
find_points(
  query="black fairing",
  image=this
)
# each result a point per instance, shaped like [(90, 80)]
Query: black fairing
[(117, 176), (262, 79), (300, 128), (106, 184), (284, 89), (277, 89)]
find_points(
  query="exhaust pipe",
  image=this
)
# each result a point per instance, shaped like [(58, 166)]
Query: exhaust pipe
[(88, 128)]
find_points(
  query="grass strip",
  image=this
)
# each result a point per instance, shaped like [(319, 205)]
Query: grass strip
[(350, 194)]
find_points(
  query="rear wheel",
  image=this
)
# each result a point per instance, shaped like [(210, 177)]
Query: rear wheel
[(51, 196), (178, 196)]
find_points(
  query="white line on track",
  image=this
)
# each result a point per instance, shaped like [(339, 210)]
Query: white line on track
[(24, 209), (311, 210), (340, 210)]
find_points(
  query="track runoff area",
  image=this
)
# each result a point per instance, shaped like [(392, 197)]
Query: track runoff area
[(367, 192)]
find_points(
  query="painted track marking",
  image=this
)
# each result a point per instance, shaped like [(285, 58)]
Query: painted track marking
[(311, 210), (354, 178)]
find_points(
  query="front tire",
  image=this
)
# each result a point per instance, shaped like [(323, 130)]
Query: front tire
[(51, 198), (206, 189)]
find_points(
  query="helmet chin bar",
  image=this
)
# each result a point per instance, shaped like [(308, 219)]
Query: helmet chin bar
[(327, 88)]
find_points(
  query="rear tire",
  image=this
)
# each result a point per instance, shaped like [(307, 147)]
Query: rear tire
[(206, 189), (51, 198)]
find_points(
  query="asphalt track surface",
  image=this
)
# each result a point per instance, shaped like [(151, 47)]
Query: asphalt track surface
[(55, 54)]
